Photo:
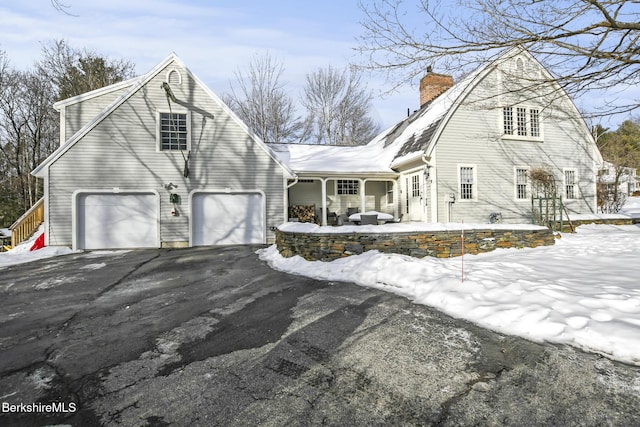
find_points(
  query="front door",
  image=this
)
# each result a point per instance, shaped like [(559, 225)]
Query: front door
[(413, 196)]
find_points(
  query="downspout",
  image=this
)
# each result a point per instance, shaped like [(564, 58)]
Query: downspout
[(425, 159), (295, 181)]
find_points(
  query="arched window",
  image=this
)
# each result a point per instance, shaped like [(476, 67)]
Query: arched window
[(174, 77), (519, 67)]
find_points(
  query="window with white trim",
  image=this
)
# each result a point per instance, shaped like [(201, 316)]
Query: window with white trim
[(389, 189), (522, 183), (570, 184), (347, 186), (519, 67), (173, 131), (534, 122), (525, 124), (466, 183), (521, 115), (507, 117)]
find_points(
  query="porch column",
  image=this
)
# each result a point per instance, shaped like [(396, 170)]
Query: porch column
[(285, 197), (362, 194), (324, 201), (396, 198)]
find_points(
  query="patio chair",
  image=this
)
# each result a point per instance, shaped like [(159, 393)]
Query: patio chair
[(369, 219), (351, 211), (395, 220)]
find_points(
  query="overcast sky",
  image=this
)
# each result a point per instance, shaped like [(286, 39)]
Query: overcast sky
[(213, 38)]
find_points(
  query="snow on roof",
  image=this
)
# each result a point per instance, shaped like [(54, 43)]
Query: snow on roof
[(405, 141), (311, 158), (416, 137)]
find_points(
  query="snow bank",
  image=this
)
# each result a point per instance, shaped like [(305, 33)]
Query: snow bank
[(22, 253), (583, 291)]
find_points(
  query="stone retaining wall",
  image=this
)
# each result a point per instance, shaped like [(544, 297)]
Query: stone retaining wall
[(566, 226), (442, 244)]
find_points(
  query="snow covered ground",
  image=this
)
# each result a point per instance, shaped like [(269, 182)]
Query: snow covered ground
[(21, 253), (584, 291)]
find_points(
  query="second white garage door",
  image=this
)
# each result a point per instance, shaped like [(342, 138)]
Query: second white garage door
[(117, 220), (221, 218)]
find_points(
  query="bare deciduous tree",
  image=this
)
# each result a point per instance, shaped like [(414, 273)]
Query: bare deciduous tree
[(28, 131), (337, 104), (260, 100), (587, 44), (76, 71), (59, 6), (29, 126)]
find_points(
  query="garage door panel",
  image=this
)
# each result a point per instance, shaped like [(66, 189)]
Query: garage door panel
[(109, 221), (227, 219)]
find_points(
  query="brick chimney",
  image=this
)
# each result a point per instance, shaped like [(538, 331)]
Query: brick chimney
[(433, 85)]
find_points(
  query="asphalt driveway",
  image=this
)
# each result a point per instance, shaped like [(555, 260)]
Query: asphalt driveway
[(213, 336)]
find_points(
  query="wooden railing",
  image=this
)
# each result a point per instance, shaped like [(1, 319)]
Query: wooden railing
[(29, 222)]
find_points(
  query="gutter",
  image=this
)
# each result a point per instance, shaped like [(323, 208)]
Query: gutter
[(295, 181), (345, 175)]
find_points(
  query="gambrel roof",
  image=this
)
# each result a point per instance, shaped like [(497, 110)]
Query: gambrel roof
[(407, 141)]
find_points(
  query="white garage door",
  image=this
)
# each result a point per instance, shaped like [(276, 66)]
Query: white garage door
[(227, 219), (116, 220)]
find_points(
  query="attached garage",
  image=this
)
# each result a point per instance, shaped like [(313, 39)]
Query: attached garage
[(227, 218), (116, 220)]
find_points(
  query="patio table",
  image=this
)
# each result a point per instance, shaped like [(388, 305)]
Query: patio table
[(381, 216)]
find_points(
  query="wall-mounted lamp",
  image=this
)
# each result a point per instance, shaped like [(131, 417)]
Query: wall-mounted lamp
[(427, 171), (170, 186)]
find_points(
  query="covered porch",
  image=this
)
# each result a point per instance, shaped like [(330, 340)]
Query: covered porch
[(334, 198)]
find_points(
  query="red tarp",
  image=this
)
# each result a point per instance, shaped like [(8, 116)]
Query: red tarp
[(38, 243)]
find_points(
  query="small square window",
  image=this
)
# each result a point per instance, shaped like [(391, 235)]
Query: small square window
[(347, 186), (173, 131)]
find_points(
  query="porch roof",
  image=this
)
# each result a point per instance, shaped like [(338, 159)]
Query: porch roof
[(336, 159)]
